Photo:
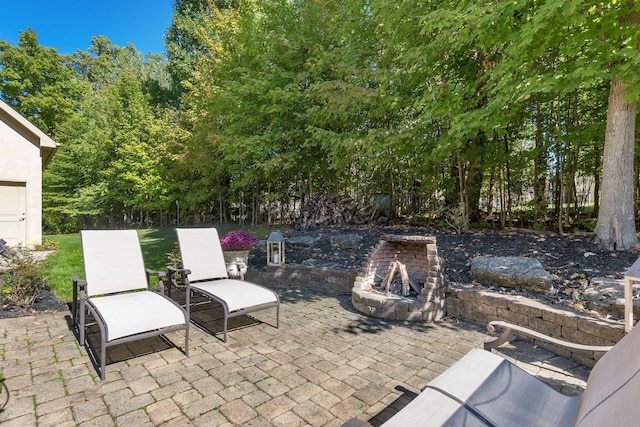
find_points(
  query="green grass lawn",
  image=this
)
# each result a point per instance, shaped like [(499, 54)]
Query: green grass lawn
[(156, 244)]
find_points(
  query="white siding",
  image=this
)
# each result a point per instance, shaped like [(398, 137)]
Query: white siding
[(20, 162)]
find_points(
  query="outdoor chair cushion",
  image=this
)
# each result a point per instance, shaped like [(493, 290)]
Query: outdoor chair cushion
[(135, 312), (492, 390), (112, 261), (236, 294)]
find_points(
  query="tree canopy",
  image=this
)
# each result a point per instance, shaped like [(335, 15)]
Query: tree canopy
[(486, 113)]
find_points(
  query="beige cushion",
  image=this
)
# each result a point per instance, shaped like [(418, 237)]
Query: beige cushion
[(201, 253), (432, 408), (503, 393), (236, 294), (612, 395), (112, 261), (136, 312)]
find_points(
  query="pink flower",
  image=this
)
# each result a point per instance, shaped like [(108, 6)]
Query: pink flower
[(238, 240)]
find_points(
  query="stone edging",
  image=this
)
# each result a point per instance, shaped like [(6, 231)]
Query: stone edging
[(481, 307)]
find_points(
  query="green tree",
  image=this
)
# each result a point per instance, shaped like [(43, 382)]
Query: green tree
[(38, 83), (592, 43), (183, 42), (112, 167)]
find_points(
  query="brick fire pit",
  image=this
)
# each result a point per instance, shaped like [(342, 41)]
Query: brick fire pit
[(420, 256)]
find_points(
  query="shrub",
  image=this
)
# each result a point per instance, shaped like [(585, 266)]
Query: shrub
[(47, 244), (22, 279), (173, 258)]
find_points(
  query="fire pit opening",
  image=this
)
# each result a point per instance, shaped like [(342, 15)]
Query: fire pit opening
[(401, 280)]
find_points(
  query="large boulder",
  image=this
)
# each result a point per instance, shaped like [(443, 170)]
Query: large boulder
[(303, 241), (606, 296), (346, 241), (512, 272)]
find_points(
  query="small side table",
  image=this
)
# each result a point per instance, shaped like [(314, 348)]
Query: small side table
[(632, 275)]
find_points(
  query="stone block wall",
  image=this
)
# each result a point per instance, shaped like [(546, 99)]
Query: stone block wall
[(482, 307), (322, 280), (396, 307)]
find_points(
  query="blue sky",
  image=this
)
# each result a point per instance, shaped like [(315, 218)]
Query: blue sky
[(68, 25)]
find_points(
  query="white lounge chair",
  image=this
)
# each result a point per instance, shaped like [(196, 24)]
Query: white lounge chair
[(116, 293), (204, 271), (483, 389)]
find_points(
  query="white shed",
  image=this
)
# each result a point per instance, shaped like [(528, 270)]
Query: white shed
[(24, 152)]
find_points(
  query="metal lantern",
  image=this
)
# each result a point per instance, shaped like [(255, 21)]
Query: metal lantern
[(275, 248)]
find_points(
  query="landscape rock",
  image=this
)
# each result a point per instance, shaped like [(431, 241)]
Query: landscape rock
[(346, 241), (512, 272), (606, 296), (303, 241)]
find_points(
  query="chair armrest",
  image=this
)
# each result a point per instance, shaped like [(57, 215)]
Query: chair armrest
[(161, 279), (174, 273), (177, 277), (510, 328), (77, 282)]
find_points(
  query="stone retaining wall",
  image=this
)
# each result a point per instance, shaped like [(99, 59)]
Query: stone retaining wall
[(470, 304), (396, 307), (322, 280), (481, 307)]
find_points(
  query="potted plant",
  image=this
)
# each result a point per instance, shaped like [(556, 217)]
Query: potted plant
[(236, 246)]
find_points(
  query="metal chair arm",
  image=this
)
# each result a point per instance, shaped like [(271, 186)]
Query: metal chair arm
[(510, 328)]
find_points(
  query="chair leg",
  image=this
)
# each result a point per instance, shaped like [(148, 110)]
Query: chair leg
[(103, 360), (225, 326), (82, 320), (74, 306), (103, 346), (186, 340)]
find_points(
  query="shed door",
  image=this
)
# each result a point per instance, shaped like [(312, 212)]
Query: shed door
[(13, 213)]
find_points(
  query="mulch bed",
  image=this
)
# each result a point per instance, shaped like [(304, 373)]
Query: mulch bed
[(573, 258), (45, 302)]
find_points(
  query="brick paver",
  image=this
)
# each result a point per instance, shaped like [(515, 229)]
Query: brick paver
[(324, 365)]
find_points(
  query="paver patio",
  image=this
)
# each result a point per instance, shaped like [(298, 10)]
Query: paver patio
[(325, 365)]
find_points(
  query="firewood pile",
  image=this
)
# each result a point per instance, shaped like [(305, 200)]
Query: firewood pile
[(331, 210), (406, 281)]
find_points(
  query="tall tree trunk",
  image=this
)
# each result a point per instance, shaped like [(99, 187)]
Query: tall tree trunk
[(539, 174), (560, 194), (492, 178), (464, 201), (596, 185), (616, 228), (392, 195), (508, 172), (474, 177), (636, 180)]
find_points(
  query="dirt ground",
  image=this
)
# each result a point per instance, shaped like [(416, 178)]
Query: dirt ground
[(574, 259)]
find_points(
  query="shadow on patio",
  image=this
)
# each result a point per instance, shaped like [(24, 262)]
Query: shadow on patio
[(325, 365)]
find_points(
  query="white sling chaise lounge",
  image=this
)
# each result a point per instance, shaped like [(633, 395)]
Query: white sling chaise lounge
[(116, 293), (483, 389), (204, 271)]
